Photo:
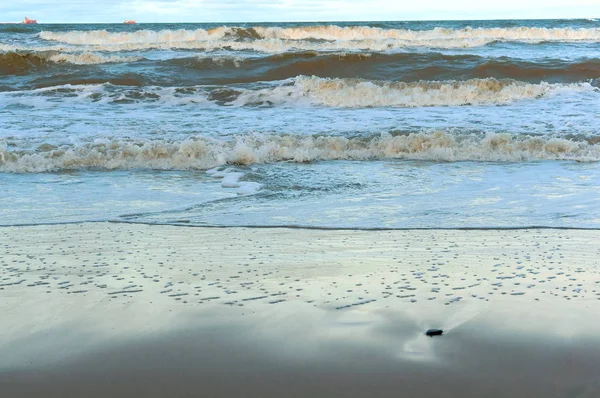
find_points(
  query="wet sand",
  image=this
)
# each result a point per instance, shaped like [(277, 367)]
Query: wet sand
[(121, 310)]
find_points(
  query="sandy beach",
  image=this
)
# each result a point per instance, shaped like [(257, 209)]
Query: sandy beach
[(280, 200), (121, 310)]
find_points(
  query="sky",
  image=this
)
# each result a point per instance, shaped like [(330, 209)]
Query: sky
[(57, 11)]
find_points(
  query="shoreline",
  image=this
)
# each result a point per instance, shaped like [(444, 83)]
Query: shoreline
[(304, 227), (121, 309)]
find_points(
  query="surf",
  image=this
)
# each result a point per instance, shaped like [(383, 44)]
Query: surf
[(203, 153)]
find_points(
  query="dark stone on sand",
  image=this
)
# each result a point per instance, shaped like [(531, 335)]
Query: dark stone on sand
[(434, 332)]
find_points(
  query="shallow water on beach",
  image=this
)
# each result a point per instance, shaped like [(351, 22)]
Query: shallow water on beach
[(358, 125)]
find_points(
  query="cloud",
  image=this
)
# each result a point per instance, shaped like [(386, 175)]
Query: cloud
[(289, 10)]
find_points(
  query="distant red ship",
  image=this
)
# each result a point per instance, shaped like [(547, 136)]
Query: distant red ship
[(129, 22), (28, 21)]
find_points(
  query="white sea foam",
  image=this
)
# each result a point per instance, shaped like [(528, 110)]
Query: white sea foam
[(104, 93), (328, 32), (61, 56), (100, 37), (205, 153), (88, 58), (219, 172), (311, 90), (222, 60), (248, 188), (231, 180), (331, 37), (20, 48), (365, 93), (333, 32), (280, 45)]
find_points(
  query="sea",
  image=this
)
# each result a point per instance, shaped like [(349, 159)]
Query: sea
[(454, 124)]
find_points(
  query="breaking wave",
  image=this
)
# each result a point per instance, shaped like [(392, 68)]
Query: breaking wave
[(329, 37), (12, 63), (18, 63), (379, 66), (351, 93), (205, 153), (91, 58), (235, 69), (333, 32), (305, 91), (329, 32)]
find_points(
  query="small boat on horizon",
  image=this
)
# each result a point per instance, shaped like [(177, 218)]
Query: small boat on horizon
[(129, 22), (28, 21)]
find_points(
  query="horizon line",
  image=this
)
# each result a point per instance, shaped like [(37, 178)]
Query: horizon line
[(325, 21)]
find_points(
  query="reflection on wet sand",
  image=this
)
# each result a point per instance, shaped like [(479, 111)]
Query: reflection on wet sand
[(127, 310)]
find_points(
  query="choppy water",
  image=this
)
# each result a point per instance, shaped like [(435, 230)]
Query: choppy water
[(398, 124)]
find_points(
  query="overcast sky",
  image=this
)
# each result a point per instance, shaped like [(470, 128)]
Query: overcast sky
[(289, 10)]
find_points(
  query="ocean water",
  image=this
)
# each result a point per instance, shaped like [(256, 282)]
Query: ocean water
[(358, 125)]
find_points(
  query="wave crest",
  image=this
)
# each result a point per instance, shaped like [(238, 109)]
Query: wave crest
[(352, 93), (304, 91), (88, 58), (381, 66), (13, 62), (327, 37), (205, 153), (333, 32)]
